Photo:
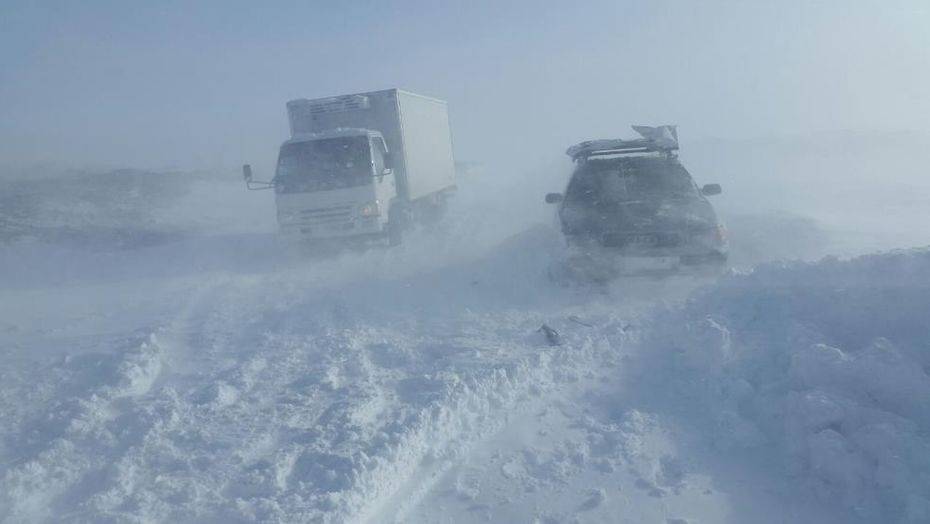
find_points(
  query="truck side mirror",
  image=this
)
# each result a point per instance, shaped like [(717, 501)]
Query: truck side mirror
[(711, 189), (388, 161), (252, 185), (553, 198)]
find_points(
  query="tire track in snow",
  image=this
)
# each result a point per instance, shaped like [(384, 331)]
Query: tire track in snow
[(30, 489), (87, 428), (539, 373), (293, 397)]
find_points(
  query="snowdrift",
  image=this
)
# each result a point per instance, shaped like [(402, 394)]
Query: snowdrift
[(817, 373)]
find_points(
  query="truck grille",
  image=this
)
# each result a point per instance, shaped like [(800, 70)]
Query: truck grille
[(328, 216)]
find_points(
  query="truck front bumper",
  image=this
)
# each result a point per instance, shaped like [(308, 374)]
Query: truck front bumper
[(350, 231)]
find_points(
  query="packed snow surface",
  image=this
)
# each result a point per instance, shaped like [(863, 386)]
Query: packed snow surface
[(218, 375)]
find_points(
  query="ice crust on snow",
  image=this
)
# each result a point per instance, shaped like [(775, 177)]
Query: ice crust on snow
[(820, 368)]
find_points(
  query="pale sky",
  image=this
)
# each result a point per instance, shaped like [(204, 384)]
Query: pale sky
[(176, 85)]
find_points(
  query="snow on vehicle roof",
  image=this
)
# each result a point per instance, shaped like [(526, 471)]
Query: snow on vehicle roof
[(655, 139)]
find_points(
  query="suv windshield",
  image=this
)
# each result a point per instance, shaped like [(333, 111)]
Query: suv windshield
[(633, 179), (319, 165)]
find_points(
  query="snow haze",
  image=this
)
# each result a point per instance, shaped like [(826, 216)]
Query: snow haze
[(203, 86), (168, 355)]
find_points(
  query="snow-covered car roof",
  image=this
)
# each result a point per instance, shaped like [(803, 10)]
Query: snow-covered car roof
[(660, 138)]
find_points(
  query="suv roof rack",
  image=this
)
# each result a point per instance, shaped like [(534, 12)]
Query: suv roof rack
[(662, 139)]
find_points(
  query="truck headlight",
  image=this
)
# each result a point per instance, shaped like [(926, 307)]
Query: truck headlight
[(370, 209)]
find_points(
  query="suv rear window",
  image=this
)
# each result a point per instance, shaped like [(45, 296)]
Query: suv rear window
[(640, 179)]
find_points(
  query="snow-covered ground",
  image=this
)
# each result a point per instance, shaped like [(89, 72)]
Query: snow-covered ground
[(215, 374)]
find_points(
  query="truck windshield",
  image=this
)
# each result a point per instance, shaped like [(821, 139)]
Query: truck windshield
[(632, 181), (319, 165)]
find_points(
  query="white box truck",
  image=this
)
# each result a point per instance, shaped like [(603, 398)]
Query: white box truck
[(362, 166)]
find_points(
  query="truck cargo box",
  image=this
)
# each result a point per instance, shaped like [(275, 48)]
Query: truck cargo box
[(415, 129)]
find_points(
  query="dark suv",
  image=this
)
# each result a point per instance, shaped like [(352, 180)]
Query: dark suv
[(634, 199)]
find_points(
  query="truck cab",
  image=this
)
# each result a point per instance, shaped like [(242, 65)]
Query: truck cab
[(334, 184)]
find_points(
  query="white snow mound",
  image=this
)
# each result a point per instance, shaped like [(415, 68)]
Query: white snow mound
[(817, 370)]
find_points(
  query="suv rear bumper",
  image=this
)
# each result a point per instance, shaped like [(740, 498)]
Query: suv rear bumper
[(692, 249), (590, 259)]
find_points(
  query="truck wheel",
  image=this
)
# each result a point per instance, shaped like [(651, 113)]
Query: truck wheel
[(398, 219), (395, 234), (437, 208)]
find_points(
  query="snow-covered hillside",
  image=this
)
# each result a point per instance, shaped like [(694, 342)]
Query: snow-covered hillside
[(218, 375)]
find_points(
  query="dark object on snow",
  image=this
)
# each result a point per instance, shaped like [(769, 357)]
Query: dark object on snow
[(576, 320), (552, 336)]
